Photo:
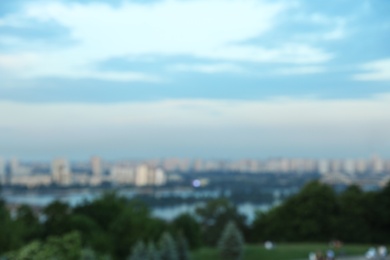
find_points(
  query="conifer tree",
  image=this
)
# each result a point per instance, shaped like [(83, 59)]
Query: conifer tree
[(231, 243), (88, 254), (182, 247), (152, 252), (139, 252), (167, 247)]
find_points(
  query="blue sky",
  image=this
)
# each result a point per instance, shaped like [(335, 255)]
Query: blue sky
[(194, 78)]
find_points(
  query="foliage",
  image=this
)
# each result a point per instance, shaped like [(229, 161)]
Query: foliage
[(317, 213), (27, 224), (8, 238), (103, 210), (214, 216), (111, 225), (167, 246), (352, 220), (139, 252), (312, 215), (67, 247), (231, 243), (182, 247), (57, 221), (152, 252), (132, 225), (187, 226)]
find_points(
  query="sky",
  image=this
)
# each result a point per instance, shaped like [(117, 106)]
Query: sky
[(194, 78)]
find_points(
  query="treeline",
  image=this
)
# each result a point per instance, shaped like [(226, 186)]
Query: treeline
[(110, 227), (113, 227), (318, 213)]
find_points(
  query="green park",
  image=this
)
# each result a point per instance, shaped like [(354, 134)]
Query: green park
[(113, 227)]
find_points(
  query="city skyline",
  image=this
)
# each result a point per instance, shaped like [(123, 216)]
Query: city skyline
[(196, 79), (157, 172)]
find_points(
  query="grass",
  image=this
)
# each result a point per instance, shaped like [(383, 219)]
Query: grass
[(282, 251)]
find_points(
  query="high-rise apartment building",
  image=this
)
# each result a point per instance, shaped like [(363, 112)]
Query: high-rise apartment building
[(60, 172), (97, 171), (96, 166), (14, 166), (349, 166), (122, 174), (2, 171), (142, 175), (377, 164), (149, 176), (361, 166), (323, 166), (160, 177)]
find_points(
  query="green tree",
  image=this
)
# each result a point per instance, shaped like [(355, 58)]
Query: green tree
[(132, 225), (57, 216), (167, 246), (378, 214), (8, 238), (352, 223), (91, 233), (190, 228), (88, 254), (152, 252), (214, 216), (231, 243), (27, 224), (182, 247), (103, 210), (312, 216), (139, 252), (66, 247)]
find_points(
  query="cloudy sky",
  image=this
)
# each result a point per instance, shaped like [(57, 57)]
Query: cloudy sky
[(194, 78)]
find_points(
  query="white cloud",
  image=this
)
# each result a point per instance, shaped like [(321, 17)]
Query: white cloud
[(330, 28), (300, 70), (378, 70), (202, 29), (208, 68), (18, 62)]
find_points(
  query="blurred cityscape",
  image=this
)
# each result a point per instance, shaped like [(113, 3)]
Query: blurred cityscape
[(368, 172)]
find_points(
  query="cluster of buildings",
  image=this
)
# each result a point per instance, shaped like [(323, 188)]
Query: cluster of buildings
[(279, 165), (60, 172), (153, 172)]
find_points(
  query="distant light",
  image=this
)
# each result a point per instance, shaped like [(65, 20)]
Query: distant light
[(196, 183)]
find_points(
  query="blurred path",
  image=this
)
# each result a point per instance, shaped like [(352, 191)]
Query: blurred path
[(356, 258), (359, 258)]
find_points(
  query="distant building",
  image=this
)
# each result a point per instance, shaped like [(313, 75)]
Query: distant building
[(96, 166), (82, 178), (31, 181), (361, 166), (198, 165), (160, 177), (149, 176), (3, 179), (14, 166), (142, 175), (97, 171), (377, 164), (60, 172), (18, 174), (349, 167), (323, 166), (122, 174)]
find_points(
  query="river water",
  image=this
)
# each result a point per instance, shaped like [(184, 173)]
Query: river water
[(74, 198)]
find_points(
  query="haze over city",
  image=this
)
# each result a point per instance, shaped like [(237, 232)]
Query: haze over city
[(194, 129), (199, 79)]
